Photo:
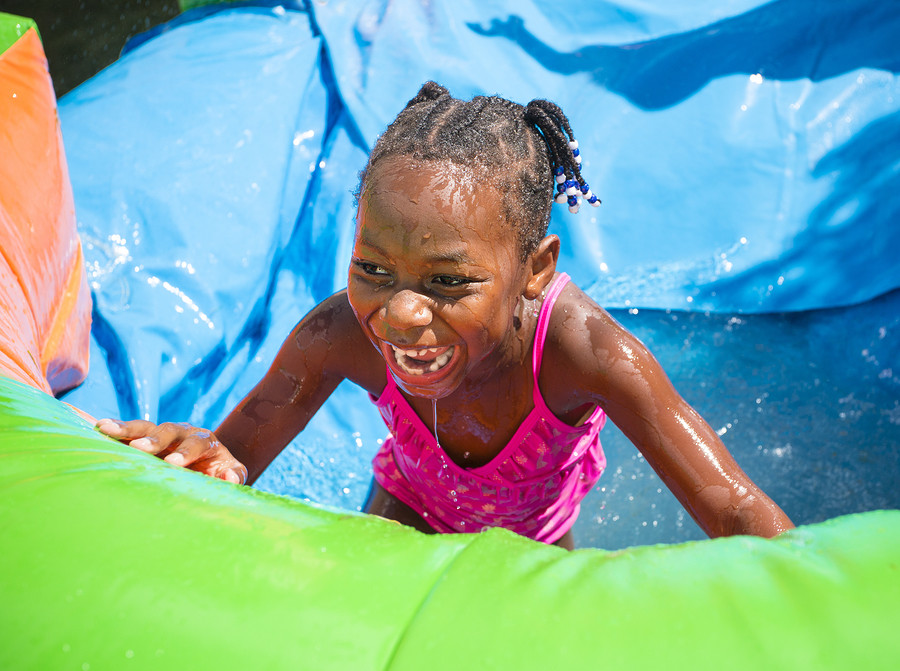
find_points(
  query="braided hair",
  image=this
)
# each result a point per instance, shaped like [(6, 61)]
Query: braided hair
[(519, 150)]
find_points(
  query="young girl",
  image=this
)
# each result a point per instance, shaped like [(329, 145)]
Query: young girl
[(493, 372)]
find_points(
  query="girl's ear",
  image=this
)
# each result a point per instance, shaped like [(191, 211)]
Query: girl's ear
[(541, 266)]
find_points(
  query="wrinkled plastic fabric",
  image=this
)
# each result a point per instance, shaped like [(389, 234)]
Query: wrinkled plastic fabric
[(114, 559), (194, 159), (45, 303), (744, 150)]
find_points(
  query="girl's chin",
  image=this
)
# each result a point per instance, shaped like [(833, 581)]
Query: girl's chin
[(416, 386), (431, 393)]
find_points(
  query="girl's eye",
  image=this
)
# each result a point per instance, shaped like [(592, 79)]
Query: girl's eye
[(450, 281), (371, 269)]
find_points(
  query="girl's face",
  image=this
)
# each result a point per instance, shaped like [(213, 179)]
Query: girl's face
[(436, 275)]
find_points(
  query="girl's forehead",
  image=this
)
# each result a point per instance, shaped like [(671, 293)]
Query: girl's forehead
[(447, 183), (434, 199)]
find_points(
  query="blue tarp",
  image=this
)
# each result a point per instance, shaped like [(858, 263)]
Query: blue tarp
[(746, 154)]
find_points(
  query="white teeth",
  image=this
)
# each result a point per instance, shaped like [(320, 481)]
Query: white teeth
[(415, 353), (411, 371), (439, 362), (401, 356)]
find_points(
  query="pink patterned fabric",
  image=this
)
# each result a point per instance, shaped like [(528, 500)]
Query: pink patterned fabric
[(534, 486)]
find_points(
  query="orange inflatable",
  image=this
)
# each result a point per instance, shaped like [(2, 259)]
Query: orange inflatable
[(46, 304)]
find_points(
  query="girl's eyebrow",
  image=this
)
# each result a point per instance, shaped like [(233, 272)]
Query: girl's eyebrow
[(455, 256), (374, 248)]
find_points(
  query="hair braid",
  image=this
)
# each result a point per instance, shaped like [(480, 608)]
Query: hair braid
[(429, 91), (551, 133), (563, 146)]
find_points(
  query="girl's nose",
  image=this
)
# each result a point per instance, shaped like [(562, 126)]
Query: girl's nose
[(406, 310)]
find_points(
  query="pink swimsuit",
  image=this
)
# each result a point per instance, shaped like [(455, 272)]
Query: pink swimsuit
[(534, 486)]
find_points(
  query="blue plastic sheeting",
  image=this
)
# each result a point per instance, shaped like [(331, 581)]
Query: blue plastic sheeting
[(212, 168), (746, 154)]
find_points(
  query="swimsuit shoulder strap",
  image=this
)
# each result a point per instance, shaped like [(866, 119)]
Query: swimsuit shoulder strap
[(540, 334)]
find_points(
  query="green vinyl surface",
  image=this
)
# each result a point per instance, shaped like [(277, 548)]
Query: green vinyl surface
[(115, 560), (12, 27)]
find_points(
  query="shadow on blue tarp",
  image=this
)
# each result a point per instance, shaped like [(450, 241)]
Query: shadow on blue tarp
[(745, 159), (784, 40)]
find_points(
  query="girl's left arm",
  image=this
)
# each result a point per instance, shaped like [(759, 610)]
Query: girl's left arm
[(618, 373)]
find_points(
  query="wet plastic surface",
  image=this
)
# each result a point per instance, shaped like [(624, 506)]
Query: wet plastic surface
[(214, 191), (106, 543)]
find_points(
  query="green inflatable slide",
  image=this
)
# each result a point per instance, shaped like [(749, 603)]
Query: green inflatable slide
[(114, 560)]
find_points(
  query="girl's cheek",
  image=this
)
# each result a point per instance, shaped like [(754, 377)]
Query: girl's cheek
[(365, 304), (356, 300)]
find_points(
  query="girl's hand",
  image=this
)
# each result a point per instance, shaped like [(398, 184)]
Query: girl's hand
[(180, 445)]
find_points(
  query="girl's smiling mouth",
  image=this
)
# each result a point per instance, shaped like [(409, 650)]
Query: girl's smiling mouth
[(418, 362)]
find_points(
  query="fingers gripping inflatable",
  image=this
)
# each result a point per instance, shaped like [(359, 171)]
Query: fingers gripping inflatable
[(45, 323)]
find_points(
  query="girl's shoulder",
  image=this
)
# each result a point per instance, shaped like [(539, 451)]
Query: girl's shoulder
[(586, 347), (578, 323)]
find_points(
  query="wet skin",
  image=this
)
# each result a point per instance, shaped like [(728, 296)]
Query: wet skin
[(437, 273)]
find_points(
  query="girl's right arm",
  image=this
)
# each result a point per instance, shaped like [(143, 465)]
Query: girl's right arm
[(606, 365), (323, 349)]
